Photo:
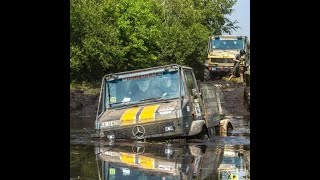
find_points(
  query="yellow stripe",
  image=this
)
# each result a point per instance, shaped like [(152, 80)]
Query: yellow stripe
[(129, 116), (148, 113), (146, 162), (128, 158)]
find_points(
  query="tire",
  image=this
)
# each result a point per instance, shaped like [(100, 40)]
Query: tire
[(206, 75), (225, 128)]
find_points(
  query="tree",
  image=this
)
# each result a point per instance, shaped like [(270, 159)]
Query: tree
[(117, 35)]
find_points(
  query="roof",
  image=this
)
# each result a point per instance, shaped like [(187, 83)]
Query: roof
[(138, 71)]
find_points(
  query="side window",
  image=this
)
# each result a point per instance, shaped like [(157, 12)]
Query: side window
[(190, 81), (182, 88)]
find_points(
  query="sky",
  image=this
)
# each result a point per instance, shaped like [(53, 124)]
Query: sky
[(241, 13)]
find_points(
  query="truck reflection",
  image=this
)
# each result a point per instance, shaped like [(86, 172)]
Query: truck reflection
[(162, 161), (151, 161), (235, 164)]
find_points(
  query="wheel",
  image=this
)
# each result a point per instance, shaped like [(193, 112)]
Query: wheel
[(206, 75), (225, 128), (229, 129)]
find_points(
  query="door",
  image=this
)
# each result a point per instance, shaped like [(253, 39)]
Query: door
[(193, 93), (213, 103)]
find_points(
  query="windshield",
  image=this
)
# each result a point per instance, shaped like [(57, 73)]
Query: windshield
[(153, 86), (227, 44)]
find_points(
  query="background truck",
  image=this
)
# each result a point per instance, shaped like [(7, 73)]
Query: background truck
[(221, 50)]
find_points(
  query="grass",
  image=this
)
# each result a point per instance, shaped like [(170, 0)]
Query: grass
[(88, 88)]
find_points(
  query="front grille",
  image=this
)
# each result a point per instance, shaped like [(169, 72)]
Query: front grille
[(221, 60), (151, 129)]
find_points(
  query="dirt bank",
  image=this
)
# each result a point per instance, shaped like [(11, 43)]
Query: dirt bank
[(83, 103)]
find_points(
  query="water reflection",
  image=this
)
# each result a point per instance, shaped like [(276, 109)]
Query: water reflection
[(220, 158), (133, 160)]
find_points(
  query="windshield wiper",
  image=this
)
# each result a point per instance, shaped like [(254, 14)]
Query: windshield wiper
[(124, 103), (155, 99), (128, 103)]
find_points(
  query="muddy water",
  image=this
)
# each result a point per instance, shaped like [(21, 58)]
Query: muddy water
[(218, 158)]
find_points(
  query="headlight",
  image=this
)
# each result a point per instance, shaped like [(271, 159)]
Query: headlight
[(109, 123), (169, 128)]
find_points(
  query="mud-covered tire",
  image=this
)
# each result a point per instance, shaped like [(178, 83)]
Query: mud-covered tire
[(210, 76), (225, 128), (207, 75)]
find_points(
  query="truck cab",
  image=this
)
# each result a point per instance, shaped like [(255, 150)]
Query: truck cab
[(159, 102)]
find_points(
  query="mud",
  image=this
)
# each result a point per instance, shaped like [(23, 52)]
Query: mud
[(234, 97), (220, 158), (82, 103)]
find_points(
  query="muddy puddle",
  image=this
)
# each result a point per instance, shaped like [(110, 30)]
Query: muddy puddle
[(222, 157)]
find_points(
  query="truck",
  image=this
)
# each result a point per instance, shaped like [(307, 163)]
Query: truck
[(159, 102), (221, 50)]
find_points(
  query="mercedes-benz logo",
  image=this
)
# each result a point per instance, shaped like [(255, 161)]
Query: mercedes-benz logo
[(138, 149), (138, 131)]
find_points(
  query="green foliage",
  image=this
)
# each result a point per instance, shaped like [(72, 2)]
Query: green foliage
[(86, 87), (118, 35)]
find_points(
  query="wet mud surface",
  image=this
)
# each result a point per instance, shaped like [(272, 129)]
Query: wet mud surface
[(221, 157)]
